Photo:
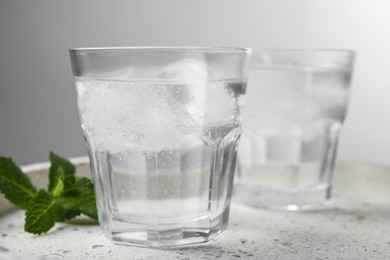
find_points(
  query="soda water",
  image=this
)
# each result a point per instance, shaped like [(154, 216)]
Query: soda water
[(293, 117), (164, 152)]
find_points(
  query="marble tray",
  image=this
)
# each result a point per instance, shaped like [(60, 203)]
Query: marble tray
[(357, 227)]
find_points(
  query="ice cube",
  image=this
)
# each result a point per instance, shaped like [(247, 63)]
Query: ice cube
[(314, 141), (328, 90), (221, 104), (97, 103), (125, 73), (186, 70), (192, 89), (274, 140), (164, 122)]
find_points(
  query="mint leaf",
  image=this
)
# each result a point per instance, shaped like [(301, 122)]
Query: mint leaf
[(57, 187), (87, 203), (83, 200), (61, 175), (67, 214), (41, 213), (14, 184)]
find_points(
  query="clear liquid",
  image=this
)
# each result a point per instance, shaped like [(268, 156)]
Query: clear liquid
[(288, 146), (163, 156)]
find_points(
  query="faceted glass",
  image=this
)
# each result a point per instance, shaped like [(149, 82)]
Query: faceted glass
[(296, 104), (161, 126)]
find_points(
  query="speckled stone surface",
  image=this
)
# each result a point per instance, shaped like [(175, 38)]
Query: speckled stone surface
[(356, 227)]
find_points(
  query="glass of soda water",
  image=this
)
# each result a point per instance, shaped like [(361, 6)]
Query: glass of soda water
[(296, 104), (161, 125)]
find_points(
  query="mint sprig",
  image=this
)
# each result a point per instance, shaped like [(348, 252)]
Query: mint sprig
[(68, 196)]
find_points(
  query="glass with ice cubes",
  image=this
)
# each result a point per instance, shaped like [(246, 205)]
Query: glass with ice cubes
[(161, 127), (296, 104)]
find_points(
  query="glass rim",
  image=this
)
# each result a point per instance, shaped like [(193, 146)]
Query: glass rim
[(165, 49), (303, 50)]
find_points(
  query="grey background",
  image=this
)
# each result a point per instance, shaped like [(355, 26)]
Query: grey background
[(37, 95)]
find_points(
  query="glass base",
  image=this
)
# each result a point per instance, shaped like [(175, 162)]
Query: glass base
[(166, 236), (313, 198)]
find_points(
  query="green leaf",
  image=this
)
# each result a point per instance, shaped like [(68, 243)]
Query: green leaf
[(41, 213), (84, 200), (61, 175), (57, 187), (14, 184), (67, 214), (88, 200)]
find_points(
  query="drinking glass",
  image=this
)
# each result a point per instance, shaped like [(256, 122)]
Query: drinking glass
[(161, 125), (296, 104)]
